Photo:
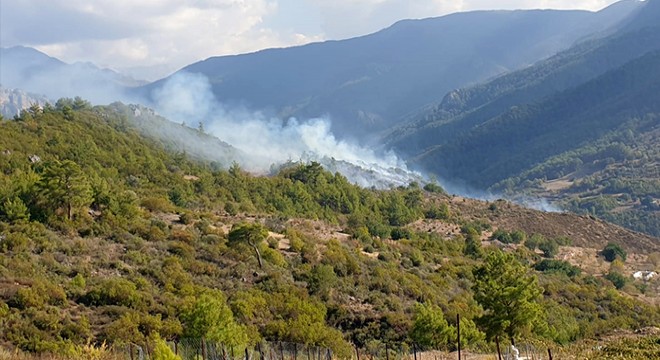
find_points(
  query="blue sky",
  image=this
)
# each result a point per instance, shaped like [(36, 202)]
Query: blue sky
[(164, 35)]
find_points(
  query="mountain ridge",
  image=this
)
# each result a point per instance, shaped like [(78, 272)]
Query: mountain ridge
[(352, 80)]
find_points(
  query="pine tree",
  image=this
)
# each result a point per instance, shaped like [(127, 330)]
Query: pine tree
[(508, 295), (63, 185)]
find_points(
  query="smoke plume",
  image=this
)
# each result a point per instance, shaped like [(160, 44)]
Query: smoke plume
[(269, 141)]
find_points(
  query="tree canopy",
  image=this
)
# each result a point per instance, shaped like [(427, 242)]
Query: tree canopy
[(508, 295)]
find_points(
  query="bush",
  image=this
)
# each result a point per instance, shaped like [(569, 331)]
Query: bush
[(558, 266), (534, 241), (434, 188), (114, 291), (440, 212), (613, 251), (617, 279), (14, 210), (549, 248), (400, 233), (503, 236), (15, 242), (157, 204), (162, 351)]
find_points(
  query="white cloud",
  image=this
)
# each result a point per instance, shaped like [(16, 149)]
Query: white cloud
[(160, 31), (129, 33)]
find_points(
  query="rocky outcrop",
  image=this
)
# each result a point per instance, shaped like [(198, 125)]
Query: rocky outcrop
[(13, 101)]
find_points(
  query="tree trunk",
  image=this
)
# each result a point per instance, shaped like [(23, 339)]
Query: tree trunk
[(497, 343), (256, 250), (458, 333)]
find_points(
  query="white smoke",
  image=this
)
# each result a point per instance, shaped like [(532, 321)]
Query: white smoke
[(268, 140)]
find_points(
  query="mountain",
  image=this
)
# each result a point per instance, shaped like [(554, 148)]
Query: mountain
[(13, 101), (552, 119), (368, 84), (33, 71)]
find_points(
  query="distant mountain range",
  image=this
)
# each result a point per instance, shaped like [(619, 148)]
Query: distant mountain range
[(368, 84), (31, 70)]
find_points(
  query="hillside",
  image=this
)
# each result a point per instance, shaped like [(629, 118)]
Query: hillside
[(568, 116), (368, 84), (108, 236)]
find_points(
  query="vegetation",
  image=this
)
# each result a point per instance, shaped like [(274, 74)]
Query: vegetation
[(108, 237), (507, 294), (614, 251)]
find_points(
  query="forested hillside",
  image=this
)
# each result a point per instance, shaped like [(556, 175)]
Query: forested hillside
[(108, 236), (588, 115)]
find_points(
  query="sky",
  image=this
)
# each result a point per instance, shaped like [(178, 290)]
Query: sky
[(155, 37)]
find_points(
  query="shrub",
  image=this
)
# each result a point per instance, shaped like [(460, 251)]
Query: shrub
[(558, 266), (186, 218), (613, 251), (113, 291), (14, 210), (534, 241), (518, 237), (162, 351), (440, 212), (434, 188), (15, 242), (549, 248), (273, 256), (157, 204), (401, 233), (617, 279), (273, 242), (502, 236)]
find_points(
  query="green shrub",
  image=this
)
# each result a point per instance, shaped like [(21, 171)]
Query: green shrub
[(434, 188), (613, 251), (157, 204), (162, 351), (15, 242), (549, 248), (439, 212), (618, 279), (113, 291), (559, 266), (14, 210)]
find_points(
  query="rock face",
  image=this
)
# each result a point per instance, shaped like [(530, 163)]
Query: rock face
[(12, 101)]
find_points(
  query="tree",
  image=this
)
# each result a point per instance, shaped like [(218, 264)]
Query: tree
[(472, 246), (64, 185), (613, 251), (508, 295), (209, 317), (81, 104), (430, 328), (250, 234)]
